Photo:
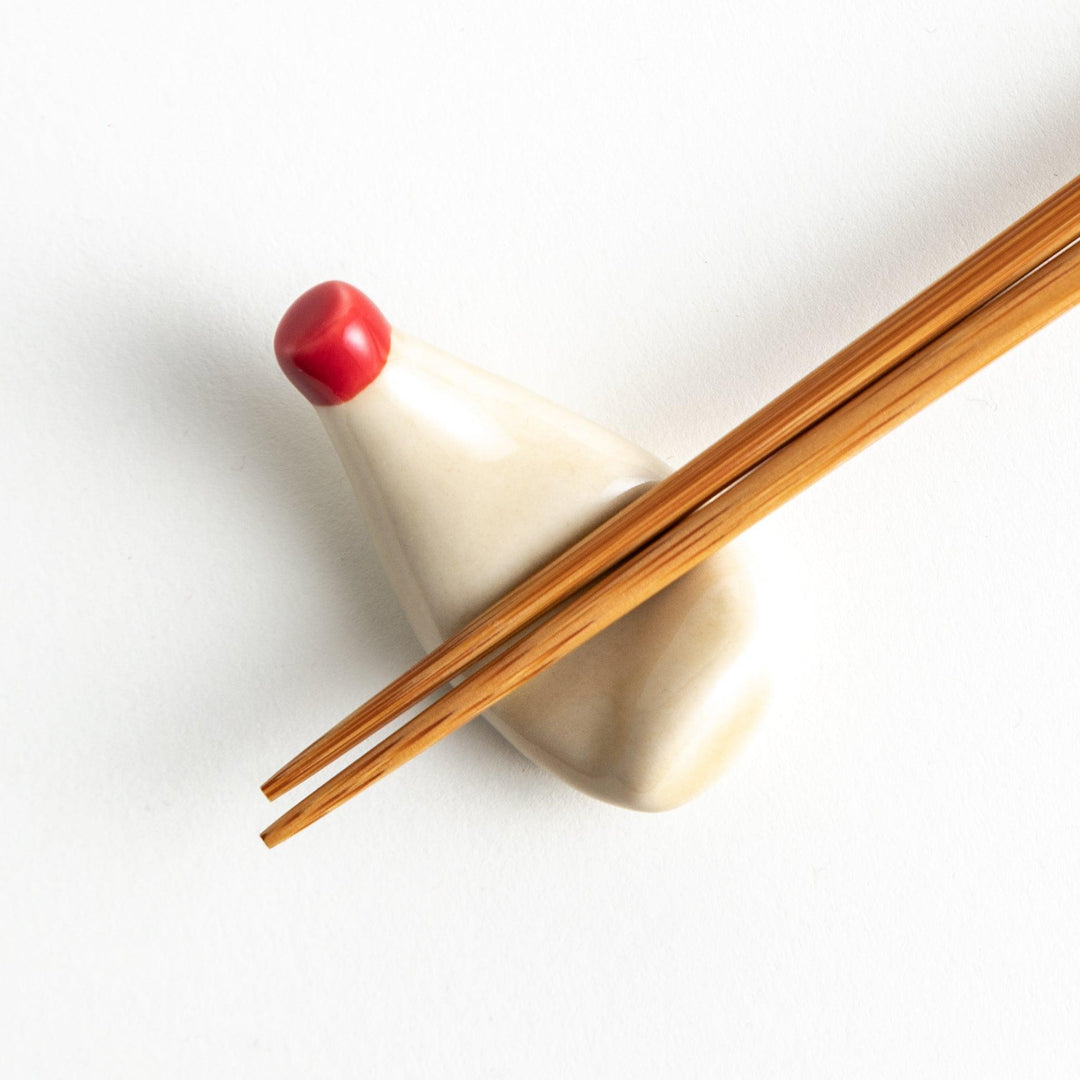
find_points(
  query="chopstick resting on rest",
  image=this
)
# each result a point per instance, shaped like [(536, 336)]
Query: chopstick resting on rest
[(907, 387), (1037, 236)]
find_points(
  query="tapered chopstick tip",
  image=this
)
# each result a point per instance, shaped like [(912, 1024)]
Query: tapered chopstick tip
[(272, 836), (273, 787)]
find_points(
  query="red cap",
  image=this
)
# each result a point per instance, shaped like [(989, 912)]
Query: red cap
[(332, 342)]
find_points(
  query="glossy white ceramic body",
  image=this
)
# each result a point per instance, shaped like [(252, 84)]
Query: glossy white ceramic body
[(469, 483)]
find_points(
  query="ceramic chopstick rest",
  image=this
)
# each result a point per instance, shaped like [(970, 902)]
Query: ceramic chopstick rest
[(469, 483)]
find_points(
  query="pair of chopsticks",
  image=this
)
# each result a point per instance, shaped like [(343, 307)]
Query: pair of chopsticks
[(1007, 290)]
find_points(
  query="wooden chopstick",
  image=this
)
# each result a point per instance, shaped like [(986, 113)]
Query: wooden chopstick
[(958, 353), (1051, 226)]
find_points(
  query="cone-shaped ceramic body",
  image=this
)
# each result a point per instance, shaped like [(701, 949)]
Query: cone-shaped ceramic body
[(469, 483)]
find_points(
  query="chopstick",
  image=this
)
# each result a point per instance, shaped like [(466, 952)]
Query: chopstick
[(1048, 228), (938, 367)]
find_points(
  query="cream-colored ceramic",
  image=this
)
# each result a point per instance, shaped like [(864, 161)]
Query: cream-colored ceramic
[(469, 483)]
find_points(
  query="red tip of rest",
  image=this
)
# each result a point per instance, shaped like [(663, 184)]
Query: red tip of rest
[(332, 342)]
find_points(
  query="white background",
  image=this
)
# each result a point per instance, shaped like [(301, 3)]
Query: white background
[(658, 215)]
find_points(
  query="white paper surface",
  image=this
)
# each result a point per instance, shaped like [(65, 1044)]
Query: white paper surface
[(659, 215)]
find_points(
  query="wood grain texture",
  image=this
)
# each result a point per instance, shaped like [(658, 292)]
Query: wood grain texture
[(1045, 230), (863, 418)]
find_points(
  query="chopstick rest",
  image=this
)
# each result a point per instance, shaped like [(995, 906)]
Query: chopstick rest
[(468, 484)]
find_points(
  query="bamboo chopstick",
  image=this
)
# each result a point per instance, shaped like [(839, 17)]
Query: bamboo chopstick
[(1045, 230), (958, 353)]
